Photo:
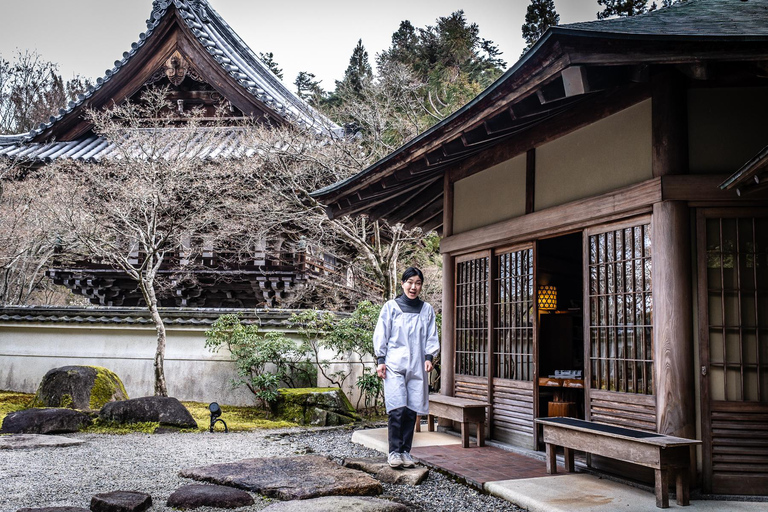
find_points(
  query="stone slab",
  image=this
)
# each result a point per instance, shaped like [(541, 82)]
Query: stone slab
[(289, 478), (26, 441), (376, 439), (121, 501), (206, 495), (381, 471), (338, 504), (45, 421), (582, 492)]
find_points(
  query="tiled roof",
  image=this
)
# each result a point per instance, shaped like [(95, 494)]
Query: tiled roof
[(190, 317), (698, 18), (234, 56), (212, 144)]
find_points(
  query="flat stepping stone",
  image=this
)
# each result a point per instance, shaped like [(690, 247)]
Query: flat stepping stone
[(379, 468), (289, 478), (121, 501), (24, 441), (54, 509), (338, 504), (200, 495)]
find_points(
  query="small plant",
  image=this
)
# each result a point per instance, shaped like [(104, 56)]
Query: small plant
[(252, 351), (370, 385)]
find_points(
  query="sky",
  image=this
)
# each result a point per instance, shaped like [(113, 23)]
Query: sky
[(85, 37)]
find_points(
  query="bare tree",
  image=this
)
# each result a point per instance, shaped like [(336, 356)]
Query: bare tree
[(28, 241), (151, 198), (31, 90)]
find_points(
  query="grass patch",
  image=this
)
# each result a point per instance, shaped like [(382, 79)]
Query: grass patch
[(237, 418), (12, 401)]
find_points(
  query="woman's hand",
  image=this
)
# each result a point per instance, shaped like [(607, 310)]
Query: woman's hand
[(428, 366), (381, 371)]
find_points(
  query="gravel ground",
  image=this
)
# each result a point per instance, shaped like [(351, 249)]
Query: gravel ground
[(69, 476)]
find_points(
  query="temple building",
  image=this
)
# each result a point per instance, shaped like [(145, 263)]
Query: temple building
[(604, 221), (189, 49)]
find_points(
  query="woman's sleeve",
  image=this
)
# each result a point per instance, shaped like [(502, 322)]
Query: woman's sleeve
[(381, 334), (432, 347)]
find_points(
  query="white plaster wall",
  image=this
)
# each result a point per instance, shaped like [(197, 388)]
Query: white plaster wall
[(28, 351)]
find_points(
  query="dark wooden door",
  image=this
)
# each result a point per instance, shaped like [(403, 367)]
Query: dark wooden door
[(733, 337)]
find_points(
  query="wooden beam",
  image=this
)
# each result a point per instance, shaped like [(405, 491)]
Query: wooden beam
[(635, 199), (703, 188)]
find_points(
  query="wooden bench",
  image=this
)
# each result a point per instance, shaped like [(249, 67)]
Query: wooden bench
[(663, 453), (462, 410)]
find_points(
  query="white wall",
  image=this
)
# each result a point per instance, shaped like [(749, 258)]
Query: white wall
[(29, 350)]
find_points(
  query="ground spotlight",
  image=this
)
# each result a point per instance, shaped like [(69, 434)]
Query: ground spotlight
[(215, 413)]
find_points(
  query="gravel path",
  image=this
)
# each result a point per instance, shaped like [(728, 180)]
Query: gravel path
[(69, 476)]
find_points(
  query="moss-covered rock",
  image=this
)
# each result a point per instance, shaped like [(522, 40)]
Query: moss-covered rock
[(79, 387), (315, 406)]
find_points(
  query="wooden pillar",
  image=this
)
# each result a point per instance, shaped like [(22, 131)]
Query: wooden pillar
[(447, 351), (669, 124), (672, 319)]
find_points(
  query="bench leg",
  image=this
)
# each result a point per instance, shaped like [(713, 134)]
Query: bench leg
[(683, 488), (430, 423), (418, 423), (480, 434), (464, 434), (662, 488), (551, 459), (568, 458)]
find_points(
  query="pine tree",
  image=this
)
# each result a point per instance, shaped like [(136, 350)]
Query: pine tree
[(268, 59), (624, 8), (539, 17), (308, 88), (359, 71)]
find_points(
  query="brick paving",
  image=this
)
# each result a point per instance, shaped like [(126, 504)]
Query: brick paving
[(478, 465)]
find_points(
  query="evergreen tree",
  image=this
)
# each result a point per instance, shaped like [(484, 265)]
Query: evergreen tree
[(308, 88), (268, 59), (359, 71), (539, 17), (624, 8)]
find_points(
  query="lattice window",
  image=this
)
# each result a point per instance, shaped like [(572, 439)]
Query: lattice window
[(737, 288), (621, 307), (514, 311), (472, 317)]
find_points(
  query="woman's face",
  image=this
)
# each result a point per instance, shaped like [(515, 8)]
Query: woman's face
[(412, 287)]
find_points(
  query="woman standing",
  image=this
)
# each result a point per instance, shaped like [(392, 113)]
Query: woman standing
[(405, 343)]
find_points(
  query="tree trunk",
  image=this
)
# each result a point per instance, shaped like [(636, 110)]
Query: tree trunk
[(151, 299)]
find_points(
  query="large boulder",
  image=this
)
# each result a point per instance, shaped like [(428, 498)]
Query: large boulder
[(45, 421), (79, 387), (315, 406), (161, 409)]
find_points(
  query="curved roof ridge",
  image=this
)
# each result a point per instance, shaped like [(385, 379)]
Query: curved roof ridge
[(197, 15)]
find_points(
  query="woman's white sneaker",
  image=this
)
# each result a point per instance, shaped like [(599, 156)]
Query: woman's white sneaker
[(395, 460), (407, 460)]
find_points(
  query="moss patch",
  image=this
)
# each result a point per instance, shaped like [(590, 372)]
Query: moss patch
[(315, 406), (126, 428), (106, 387), (12, 401), (237, 418)]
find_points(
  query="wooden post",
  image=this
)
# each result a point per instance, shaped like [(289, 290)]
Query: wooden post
[(673, 324), (449, 281), (669, 124)]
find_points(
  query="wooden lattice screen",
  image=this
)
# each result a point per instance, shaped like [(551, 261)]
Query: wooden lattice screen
[(472, 316), (514, 316), (737, 288), (621, 306)]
